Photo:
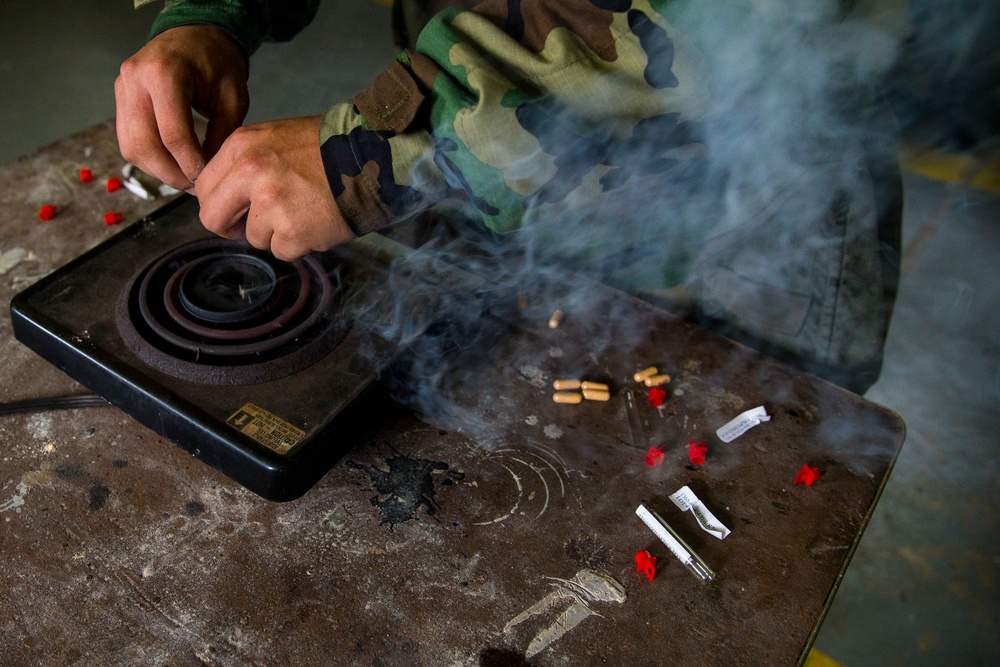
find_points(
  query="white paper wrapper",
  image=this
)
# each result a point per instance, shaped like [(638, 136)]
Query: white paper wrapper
[(686, 500), (742, 423)]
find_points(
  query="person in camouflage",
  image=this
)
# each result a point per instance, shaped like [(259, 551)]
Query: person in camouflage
[(477, 109), (532, 110)]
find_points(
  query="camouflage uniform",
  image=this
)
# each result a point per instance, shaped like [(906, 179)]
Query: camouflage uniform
[(461, 113), (545, 109)]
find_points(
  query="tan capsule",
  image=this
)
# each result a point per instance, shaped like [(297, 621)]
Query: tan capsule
[(599, 386), (656, 380), (643, 374), (596, 394), (555, 319), (522, 301), (562, 385), (566, 397)]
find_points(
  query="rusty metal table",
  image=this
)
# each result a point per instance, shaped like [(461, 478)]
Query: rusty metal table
[(510, 542)]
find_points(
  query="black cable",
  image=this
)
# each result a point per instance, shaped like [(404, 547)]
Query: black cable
[(53, 403)]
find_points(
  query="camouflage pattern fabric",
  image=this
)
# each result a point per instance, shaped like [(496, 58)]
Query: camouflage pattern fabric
[(525, 110), (510, 107)]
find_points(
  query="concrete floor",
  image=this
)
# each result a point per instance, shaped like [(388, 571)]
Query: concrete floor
[(922, 589)]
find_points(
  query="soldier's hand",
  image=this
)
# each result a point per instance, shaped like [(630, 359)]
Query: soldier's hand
[(267, 185), (189, 67)]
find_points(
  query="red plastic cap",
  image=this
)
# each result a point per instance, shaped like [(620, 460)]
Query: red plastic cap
[(86, 175), (655, 456), (657, 396), (646, 564), (113, 218), (47, 212), (114, 184), (807, 476), (697, 451)]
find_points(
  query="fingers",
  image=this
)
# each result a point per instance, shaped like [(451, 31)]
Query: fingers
[(259, 234), (237, 198), (267, 184), (184, 68), (139, 137), (224, 192), (175, 123)]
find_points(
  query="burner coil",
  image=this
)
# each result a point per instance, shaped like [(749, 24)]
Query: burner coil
[(219, 311)]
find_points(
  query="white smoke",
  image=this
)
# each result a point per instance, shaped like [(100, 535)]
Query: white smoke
[(795, 139)]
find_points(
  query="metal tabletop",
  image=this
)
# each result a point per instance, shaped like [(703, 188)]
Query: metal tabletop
[(503, 535)]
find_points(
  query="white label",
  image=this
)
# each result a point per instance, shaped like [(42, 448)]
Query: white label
[(685, 499), (266, 428), (743, 423)]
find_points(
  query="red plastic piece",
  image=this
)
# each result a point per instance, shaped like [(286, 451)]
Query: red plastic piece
[(114, 184), (113, 218), (655, 456), (807, 476), (646, 564), (86, 175), (47, 212), (657, 396), (697, 451)]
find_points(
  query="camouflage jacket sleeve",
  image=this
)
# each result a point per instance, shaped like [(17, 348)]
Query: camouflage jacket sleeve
[(512, 107), (249, 22)]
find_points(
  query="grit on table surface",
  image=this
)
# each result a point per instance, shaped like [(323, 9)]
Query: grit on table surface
[(428, 546)]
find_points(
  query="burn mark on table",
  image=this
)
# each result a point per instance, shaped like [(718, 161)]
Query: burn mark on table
[(99, 495), (404, 488), (499, 657), (194, 508), (70, 471), (453, 476), (784, 509)]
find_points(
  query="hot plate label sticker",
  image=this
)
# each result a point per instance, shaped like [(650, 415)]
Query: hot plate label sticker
[(266, 428)]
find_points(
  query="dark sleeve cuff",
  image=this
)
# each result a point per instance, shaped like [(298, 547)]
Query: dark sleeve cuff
[(236, 19)]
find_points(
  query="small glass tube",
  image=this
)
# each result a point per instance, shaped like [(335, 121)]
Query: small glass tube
[(675, 543), (634, 421)]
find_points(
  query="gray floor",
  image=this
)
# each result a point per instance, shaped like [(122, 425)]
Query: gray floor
[(59, 60), (923, 587)]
